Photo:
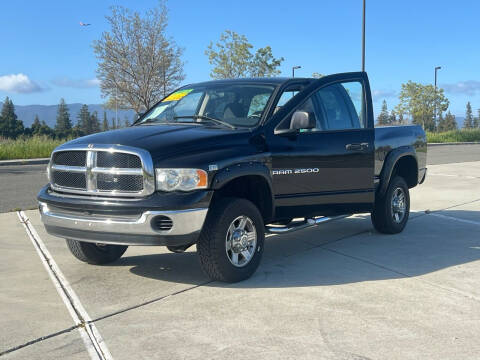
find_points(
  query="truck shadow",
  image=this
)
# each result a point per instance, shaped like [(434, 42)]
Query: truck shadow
[(343, 252)]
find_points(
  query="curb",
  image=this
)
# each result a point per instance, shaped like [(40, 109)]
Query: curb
[(454, 143), (24, 162)]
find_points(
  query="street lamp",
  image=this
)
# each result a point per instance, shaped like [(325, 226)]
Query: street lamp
[(363, 36), (435, 99), (294, 68)]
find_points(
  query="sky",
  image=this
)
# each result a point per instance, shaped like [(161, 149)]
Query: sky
[(47, 55)]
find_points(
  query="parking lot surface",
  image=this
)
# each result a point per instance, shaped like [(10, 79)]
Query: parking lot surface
[(338, 291)]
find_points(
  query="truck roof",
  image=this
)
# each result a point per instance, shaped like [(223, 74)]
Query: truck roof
[(263, 80)]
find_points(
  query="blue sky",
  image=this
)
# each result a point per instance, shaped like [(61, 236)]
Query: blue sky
[(44, 43)]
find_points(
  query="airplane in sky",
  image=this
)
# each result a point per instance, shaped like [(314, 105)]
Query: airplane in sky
[(84, 24)]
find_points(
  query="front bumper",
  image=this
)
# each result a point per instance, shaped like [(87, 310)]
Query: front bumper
[(102, 224)]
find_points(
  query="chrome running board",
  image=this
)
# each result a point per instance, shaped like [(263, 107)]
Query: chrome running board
[(274, 229)]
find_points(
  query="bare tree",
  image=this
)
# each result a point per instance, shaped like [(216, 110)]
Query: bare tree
[(137, 62)]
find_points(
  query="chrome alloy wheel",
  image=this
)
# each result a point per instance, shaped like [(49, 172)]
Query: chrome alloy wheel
[(241, 241), (399, 205)]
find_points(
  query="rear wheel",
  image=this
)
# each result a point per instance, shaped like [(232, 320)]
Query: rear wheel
[(231, 243), (392, 209), (96, 254)]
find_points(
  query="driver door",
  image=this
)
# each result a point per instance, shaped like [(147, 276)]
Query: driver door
[(327, 169)]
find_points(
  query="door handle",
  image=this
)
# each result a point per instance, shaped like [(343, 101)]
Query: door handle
[(357, 146)]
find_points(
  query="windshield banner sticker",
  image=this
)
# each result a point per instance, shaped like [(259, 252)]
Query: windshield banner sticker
[(177, 95)]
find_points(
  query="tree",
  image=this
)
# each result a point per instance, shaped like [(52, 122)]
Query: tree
[(401, 121), (137, 63), (10, 126), (392, 119), (36, 126), (383, 119), (468, 123), (448, 123), (94, 123), (105, 122), (114, 125), (127, 123), (83, 123), (264, 64), (231, 58), (418, 101), (476, 121), (316, 75), (63, 127)]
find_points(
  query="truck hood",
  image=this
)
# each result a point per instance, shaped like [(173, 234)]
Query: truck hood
[(163, 141)]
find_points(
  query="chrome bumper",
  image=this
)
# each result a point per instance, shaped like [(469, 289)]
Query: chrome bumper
[(123, 229)]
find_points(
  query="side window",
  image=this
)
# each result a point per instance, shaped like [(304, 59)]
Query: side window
[(342, 105), (257, 104)]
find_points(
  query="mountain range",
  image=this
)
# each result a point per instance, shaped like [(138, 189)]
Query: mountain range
[(48, 113)]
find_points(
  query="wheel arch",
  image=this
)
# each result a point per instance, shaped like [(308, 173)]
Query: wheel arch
[(402, 161), (250, 181)]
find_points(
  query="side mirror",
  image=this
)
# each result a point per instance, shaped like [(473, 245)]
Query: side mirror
[(302, 120)]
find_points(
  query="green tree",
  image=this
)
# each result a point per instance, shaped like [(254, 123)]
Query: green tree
[(46, 130), (264, 64), (418, 102), (231, 58), (468, 123), (36, 126), (476, 121), (114, 124), (10, 126), (383, 118), (63, 127), (137, 62), (94, 123), (450, 122), (105, 122), (84, 123), (392, 119)]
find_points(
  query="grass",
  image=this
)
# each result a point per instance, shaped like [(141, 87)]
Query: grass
[(28, 148), (464, 135)]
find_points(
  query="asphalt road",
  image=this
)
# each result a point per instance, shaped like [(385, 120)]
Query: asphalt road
[(337, 291), (20, 184)]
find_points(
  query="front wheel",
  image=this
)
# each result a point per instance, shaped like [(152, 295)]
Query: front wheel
[(231, 243), (392, 209), (96, 254)]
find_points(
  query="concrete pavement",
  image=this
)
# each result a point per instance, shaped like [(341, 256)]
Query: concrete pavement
[(339, 291)]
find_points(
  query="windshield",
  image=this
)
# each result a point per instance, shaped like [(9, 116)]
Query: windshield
[(234, 105)]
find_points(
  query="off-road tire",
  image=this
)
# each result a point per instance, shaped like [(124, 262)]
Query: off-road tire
[(211, 245), (95, 254), (382, 216)]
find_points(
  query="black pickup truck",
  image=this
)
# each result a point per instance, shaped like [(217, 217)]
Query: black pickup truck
[(220, 163)]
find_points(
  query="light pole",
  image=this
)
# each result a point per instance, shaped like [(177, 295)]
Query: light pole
[(294, 68), (363, 36), (435, 98)]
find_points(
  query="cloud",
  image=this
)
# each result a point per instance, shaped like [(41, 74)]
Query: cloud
[(382, 94), (76, 83), (18, 83), (468, 87)]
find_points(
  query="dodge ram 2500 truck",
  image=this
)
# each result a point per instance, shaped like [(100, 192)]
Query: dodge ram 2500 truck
[(220, 163)]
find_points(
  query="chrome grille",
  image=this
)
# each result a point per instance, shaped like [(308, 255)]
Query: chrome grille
[(118, 160), (110, 170), (69, 179), (120, 182), (70, 158)]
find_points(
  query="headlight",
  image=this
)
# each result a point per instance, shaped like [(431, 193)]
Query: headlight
[(180, 179)]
